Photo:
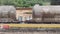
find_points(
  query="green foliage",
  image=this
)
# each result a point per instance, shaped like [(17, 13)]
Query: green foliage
[(22, 3), (55, 2)]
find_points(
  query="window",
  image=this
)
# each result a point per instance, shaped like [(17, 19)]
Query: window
[(20, 18)]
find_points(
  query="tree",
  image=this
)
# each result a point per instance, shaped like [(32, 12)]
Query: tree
[(55, 2), (23, 3)]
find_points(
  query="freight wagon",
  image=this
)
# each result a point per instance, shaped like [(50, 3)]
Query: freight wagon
[(8, 14), (45, 14)]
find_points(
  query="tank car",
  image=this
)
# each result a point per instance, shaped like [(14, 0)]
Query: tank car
[(45, 14), (7, 14)]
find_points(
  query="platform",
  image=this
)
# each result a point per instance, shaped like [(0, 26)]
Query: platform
[(34, 25)]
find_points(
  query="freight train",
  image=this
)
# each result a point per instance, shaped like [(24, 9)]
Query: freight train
[(8, 14), (40, 14), (45, 15)]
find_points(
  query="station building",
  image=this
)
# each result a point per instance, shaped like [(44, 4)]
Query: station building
[(23, 14)]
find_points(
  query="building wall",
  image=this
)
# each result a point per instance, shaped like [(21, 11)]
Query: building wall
[(21, 14)]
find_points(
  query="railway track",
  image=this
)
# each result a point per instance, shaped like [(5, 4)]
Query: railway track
[(32, 29), (40, 32)]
